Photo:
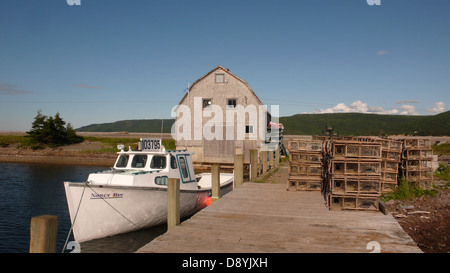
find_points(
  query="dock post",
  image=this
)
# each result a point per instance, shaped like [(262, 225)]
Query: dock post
[(253, 164), (215, 180), (271, 157), (43, 234), (238, 170), (173, 202), (277, 155), (264, 161)]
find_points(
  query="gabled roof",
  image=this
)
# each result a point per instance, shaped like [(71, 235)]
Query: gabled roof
[(229, 73)]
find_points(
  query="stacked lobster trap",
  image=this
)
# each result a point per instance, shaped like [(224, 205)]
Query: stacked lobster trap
[(417, 161), (391, 151), (353, 172), (353, 177), (305, 164)]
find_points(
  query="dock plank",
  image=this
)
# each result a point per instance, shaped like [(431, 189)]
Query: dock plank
[(265, 218)]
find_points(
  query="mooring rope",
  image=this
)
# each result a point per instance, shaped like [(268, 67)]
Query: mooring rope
[(113, 207), (86, 184), (74, 218)]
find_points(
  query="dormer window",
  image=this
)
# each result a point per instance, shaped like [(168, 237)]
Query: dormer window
[(231, 103), (220, 78), (206, 103)]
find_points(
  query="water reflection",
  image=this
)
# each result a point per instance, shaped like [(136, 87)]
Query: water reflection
[(123, 243)]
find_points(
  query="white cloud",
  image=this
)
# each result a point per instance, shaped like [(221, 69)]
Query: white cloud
[(357, 107), (380, 110), (408, 109), (438, 107)]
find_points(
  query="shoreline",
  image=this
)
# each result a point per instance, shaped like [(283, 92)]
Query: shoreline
[(59, 160), (56, 156)]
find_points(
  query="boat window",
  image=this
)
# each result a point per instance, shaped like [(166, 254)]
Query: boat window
[(161, 180), (139, 161), (158, 162), (183, 167), (173, 162), (122, 161)]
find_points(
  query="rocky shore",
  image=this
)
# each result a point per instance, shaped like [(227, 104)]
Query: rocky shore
[(68, 155)]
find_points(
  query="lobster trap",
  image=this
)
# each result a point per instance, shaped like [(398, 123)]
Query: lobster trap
[(304, 183), (305, 145), (355, 185), (354, 149), (355, 168), (353, 202)]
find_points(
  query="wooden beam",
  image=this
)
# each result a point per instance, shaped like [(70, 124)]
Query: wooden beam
[(253, 164), (238, 170), (215, 180), (265, 162), (173, 202)]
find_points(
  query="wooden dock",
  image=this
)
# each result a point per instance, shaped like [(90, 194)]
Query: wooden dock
[(265, 218)]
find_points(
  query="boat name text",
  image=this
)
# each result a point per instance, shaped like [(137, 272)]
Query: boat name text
[(106, 195)]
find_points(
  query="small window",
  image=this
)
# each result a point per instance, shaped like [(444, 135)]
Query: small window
[(220, 77), (158, 162), (173, 162), (231, 103), (249, 129), (139, 161), (122, 161), (161, 180), (183, 167), (207, 103)]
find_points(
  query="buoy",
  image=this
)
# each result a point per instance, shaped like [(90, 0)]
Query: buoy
[(208, 201)]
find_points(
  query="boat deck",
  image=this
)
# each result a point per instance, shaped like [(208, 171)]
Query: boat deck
[(265, 218)]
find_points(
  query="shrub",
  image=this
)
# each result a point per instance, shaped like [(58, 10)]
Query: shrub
[(443, 172), (52, 131), (407, 191)]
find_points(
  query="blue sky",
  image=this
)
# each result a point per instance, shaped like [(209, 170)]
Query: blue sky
[(109, 60)]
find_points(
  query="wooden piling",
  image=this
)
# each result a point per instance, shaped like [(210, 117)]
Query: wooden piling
[(238, 170), (253, 164), (43, 234), (215, 183), (265, 162), (277, 155), (173, 202), (271, 158)]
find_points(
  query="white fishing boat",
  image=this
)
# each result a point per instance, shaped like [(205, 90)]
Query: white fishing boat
[(132, 195)]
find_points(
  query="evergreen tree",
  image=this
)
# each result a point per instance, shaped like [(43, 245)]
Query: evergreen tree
[(37, 128), (52, 131)]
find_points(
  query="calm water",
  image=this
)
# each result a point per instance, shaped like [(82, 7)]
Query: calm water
[(28, 190)]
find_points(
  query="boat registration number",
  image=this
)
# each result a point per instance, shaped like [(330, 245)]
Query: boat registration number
[(150, 144)]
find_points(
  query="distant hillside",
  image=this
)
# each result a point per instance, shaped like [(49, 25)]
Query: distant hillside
[(137, 125), (355, 124)]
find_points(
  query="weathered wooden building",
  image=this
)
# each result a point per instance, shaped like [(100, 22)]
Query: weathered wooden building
[(218, 116)]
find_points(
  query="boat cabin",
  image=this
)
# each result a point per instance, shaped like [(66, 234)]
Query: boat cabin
[(148, 168)]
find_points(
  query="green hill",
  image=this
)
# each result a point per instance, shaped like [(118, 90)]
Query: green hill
[(357, 124), (351, 124), (137, 126)]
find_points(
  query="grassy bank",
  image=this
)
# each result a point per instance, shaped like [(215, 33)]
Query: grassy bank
[(110, 144), (106, 144), (7, 140), (443, 149), (93, 151)]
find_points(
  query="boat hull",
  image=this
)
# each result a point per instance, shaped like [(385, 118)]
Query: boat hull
[(98, 211)]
